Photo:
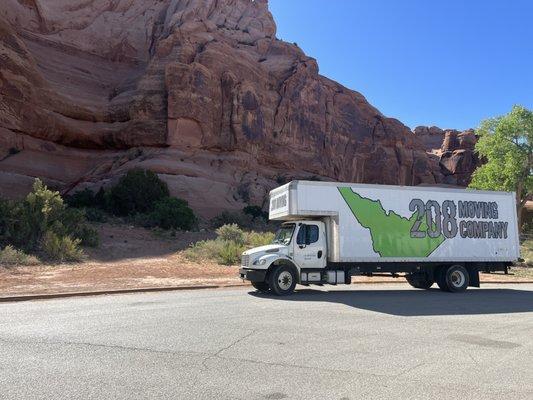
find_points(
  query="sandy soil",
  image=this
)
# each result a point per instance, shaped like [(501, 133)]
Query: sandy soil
[(130, 257)]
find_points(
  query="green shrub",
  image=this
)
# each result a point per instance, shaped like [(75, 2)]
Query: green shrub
[(245, 221), (228, 218), (255, 212), (257, 239), (136, 193), (229, 245), (10, 256), (29, 219), (95, 215), (25, 224), (61, 248), (230, 253), (205, 250), (83, 198), (6, 215), (231, 233), (73, 224), (173, 213)]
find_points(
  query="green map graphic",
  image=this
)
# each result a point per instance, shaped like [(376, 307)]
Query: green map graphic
[(390, 232)]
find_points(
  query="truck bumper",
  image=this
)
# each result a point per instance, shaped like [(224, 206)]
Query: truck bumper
[(252, 275)]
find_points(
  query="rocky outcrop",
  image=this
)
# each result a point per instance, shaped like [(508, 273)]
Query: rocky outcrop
[(200, 91), (455, 152)]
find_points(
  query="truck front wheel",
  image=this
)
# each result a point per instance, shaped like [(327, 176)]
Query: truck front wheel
[(282, 280)]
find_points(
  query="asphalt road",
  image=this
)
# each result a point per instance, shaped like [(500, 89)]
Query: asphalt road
[(366, 342)]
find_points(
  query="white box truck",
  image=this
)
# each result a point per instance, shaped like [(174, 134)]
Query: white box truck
[(333, 231)]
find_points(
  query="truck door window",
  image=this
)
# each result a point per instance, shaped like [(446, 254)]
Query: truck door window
[(311, 234), (307, 234)]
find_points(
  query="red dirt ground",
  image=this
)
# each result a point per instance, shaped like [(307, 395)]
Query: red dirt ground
[(130, 257)]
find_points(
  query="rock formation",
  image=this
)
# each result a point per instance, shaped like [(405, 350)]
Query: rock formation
[(200, 91), (454, 151)]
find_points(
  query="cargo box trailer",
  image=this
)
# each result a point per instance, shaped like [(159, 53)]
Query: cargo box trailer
[(332, 231)]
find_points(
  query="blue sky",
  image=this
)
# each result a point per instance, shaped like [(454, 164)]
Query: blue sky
[(448, 63)]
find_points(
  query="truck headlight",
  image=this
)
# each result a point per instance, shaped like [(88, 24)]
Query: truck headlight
[(261, 261)]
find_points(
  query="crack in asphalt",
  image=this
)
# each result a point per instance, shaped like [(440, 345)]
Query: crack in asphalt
[(217, 353), (100, 345)]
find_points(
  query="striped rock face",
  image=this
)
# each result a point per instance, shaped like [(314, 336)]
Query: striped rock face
[(200, 91)]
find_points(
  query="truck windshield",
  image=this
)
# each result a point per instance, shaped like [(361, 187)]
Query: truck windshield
[(284, 234)]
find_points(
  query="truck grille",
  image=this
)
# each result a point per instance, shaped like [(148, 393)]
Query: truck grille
[(245, 260)]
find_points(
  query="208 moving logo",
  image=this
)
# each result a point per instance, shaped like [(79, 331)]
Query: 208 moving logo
[(442, 219)]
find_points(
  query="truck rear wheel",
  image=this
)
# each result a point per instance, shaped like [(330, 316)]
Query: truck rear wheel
[(457, 278), (419, 281), (261, 286), (282, 280)]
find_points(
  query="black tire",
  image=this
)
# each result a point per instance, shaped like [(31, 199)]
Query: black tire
[(282, 280), (419, 281), (457, 278), (441, 279), (261, 286)]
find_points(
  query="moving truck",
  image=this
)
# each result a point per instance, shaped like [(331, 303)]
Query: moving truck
[(333, 231)]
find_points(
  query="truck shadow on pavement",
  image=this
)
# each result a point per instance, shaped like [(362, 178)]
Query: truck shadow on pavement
[(409, 303)]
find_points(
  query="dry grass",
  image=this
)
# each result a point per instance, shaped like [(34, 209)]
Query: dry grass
[(10, 257)]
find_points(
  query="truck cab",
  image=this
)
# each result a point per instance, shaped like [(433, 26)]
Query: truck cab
[(298, 254)]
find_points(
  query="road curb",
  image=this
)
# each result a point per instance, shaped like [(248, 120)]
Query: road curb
[(30, 297)]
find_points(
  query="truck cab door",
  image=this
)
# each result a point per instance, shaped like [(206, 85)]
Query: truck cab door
[(310, 245)]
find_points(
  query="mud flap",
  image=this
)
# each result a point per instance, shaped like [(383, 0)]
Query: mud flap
[(473, 274)]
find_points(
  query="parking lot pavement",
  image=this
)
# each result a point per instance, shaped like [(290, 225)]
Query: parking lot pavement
[(371, 342)]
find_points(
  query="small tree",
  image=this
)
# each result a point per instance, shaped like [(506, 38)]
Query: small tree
[(136, 192), (506, 143), (173, 213)]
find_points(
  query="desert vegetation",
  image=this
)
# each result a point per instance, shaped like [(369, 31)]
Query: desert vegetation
[(140, 198), (229, 245), (506, 145), (42, 225)]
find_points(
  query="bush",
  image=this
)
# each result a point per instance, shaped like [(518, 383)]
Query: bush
[(219, 251), (81, 199), (141, 197), (230, 253), (244, 221), (31, 224), (10, 256), (205, 250), (61, 248), (136, 193), (95, 215), (231, 233), (255, 212), (173, 213), (257, 239), (228, 218), (73, 224), (228, 247)]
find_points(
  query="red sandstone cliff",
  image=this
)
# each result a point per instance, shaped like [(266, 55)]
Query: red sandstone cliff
[(200, 91)]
